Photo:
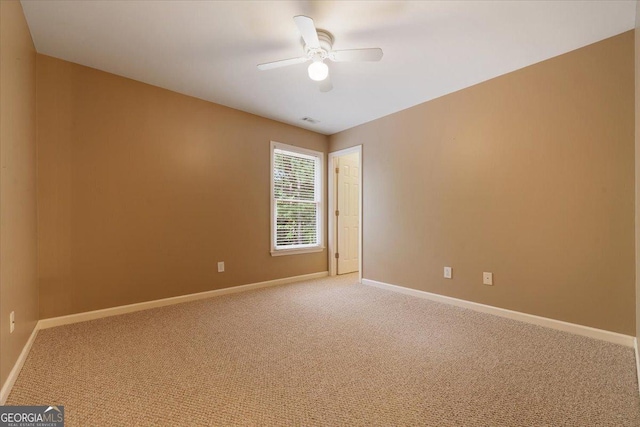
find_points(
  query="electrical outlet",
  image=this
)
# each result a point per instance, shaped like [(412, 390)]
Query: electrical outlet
[(447, 272), (487, 278), (221, 267), (12, 322)]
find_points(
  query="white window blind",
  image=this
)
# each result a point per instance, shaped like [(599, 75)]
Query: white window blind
[(296, 178)]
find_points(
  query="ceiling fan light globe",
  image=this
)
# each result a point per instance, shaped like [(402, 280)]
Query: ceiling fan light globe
[(318, 71)]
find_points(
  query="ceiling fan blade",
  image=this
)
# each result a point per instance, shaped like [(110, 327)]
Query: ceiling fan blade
[(325, 85), (283, 63), (356, 55), (307, 31)]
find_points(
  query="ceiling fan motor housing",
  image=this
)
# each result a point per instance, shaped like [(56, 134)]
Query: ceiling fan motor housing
[(326, 44)]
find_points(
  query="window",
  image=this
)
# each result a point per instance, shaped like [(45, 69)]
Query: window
[(296, 200)]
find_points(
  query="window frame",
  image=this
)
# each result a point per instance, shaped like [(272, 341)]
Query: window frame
[(320, 214)]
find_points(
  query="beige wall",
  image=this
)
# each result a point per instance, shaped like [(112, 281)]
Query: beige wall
[(142, 190), (637, 157), (18, 262), (529, 176)]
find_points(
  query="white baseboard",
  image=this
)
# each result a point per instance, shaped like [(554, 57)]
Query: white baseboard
[(586, 331), (613, 337), (635, 342), (130, 308), (114, 311), (17, 367)]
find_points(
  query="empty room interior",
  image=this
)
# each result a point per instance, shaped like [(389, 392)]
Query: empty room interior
[(331, 213)]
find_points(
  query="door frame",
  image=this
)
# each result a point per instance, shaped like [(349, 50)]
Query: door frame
[(332, 230)]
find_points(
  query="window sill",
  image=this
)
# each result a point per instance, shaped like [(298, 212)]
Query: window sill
[(280, 252)]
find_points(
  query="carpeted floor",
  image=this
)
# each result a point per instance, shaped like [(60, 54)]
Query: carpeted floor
[(326, 352)]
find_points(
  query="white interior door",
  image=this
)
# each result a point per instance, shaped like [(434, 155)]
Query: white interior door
[(348, 215)]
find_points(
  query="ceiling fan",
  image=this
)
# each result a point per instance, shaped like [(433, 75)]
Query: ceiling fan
[(318, 47)]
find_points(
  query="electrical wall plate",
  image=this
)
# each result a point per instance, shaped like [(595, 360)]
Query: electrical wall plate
[(487, 278)]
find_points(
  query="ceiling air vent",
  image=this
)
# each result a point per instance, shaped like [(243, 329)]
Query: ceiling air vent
[(310, 120)]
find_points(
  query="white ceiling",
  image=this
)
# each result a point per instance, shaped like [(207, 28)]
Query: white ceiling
[(210, 49)]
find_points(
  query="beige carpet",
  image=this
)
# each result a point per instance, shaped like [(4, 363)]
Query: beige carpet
[(326, 352)]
